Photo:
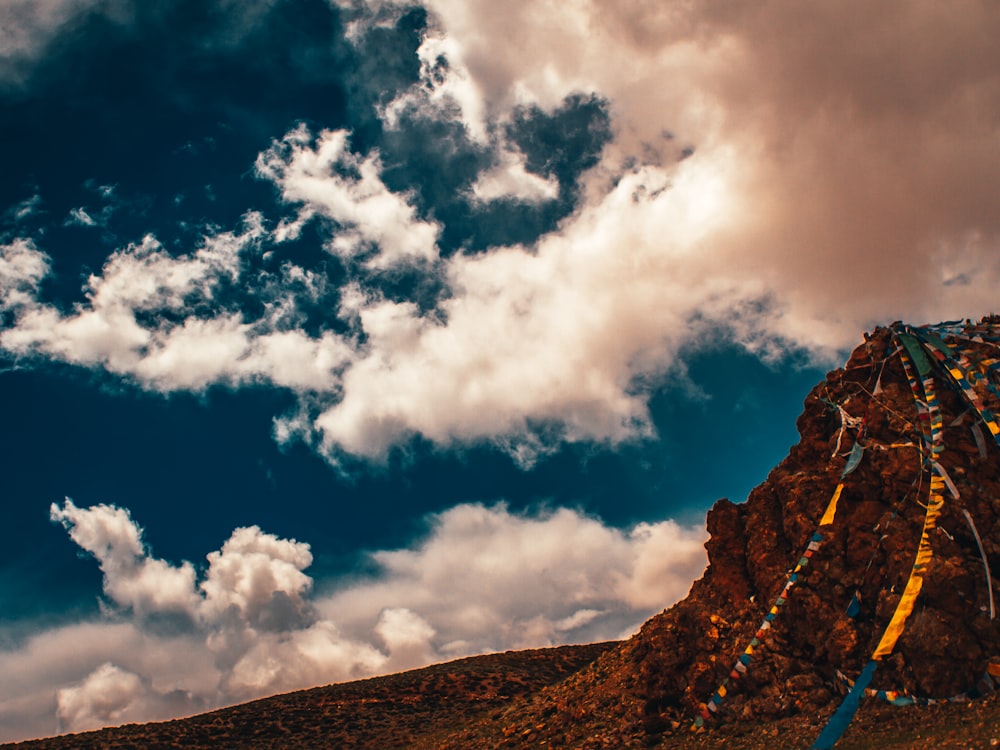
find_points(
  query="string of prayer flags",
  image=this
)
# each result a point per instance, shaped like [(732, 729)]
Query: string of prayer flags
[(924, 355), (842, 717), (740, 667), (986, 684), (986, 562)]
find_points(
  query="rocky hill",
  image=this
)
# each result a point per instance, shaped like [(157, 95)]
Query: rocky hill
[(866, 554), (649, 690)]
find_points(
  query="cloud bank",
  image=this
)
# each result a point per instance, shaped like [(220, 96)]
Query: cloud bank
[(856, 143), (781, 177), (176, 639)]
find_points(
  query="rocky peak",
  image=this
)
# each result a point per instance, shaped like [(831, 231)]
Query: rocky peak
[(867, 430)]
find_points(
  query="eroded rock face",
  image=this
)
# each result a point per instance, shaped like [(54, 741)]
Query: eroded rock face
[(654, 683), (868, 551)]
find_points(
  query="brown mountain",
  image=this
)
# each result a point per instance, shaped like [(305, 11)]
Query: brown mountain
[(811, 582)]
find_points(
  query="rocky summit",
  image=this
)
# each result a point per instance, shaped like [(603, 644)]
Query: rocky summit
[(753, 649), (866, 556)]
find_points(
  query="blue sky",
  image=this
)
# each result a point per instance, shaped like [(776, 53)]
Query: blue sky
[(340, 337)]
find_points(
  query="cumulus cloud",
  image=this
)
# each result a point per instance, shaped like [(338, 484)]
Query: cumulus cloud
[(510, 179), (103, 697), (407, 636), (176, 673), (255, 578), (447, 90), (132, 578), (157, 318), (554, 335), (854, 197), (485, 578), (761, 186), (326, 178), (252, 572), (277, 662), (482, 579), (533, 345)]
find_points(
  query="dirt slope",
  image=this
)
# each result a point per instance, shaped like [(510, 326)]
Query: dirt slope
[(403, 710)]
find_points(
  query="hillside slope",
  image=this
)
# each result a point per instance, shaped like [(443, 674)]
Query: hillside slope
[(811, 582), (396, 711)]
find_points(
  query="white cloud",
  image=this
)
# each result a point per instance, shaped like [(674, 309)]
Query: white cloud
[(557, 334), (140, 278), (317, 655), (578, 619), (22, 267), (510, 179), (78, 217), (326, 178), (445, 90), (177, 674), (141, 319), (483, 579), (532, 345), (255, 578), (407, 637), (250, 572), (856, 184), (818, 201), (131, 578), (104, 697), (854, 181)]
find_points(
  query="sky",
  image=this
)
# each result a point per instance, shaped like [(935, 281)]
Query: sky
[(339, 337)]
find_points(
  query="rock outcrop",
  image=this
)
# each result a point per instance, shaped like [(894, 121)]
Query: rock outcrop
[(653, 685)]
